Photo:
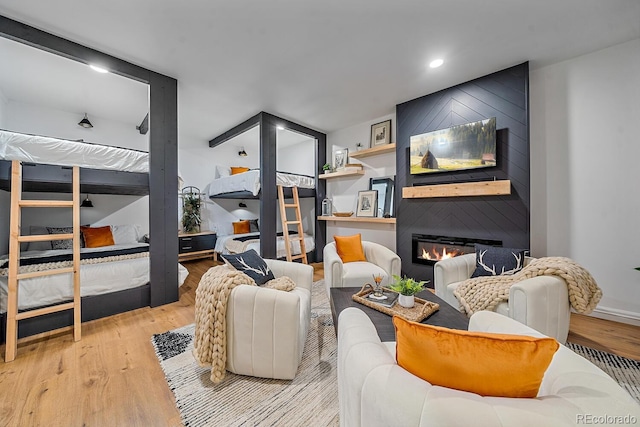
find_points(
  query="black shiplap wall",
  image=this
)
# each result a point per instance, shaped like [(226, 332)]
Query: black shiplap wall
[(504, 95)]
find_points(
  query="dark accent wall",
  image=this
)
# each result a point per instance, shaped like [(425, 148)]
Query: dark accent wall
[(504, 95)]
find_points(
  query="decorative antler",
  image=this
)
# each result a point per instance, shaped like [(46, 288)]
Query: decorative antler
[(518, 266), (483, 265), (249, 268)]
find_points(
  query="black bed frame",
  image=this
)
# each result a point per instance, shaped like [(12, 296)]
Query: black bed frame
[(161, 184), (268, 191), (302, 192)]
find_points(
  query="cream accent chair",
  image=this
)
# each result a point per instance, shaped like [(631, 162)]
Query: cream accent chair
[(541, 303), (373, 390), (380, 260), (266, 328)]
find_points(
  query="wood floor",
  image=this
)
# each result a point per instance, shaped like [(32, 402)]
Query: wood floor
[(112, 377)]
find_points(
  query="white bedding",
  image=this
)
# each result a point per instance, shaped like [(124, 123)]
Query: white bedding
[(250, 181), (62, 152), (95, 279), (309, 243)]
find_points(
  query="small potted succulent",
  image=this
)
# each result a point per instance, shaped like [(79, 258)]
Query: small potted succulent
[(326, 168), (407, 288)]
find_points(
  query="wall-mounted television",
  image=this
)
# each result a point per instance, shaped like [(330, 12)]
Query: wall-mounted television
[(461, 147)]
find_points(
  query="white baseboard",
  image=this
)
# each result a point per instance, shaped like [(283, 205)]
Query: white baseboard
[(616, 315)]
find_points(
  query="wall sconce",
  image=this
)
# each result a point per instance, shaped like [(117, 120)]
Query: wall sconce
[(86, 203), (242, 153), (85, 123), (242, 204)]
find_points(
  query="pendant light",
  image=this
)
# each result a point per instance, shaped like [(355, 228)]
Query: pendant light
[(86, 203), (85, 123)]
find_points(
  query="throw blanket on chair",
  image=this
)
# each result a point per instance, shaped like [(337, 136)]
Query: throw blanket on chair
[(210, 341), (486, 292)]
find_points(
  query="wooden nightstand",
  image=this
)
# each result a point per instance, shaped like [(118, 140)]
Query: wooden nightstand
[(197, 245)]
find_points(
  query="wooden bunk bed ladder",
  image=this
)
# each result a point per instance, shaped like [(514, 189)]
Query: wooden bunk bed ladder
[(285, 225), (17, 203)]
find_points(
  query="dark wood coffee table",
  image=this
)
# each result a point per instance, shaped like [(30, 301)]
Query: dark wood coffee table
[(446, 316)]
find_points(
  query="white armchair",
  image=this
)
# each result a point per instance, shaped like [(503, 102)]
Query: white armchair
[(266, 328), (380, 260), (541, 303)]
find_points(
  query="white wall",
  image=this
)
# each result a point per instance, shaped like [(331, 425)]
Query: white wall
[(28, 118), (585, 146), (344, 191)]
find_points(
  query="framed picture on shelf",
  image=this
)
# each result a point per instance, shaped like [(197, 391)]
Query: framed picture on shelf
[(340, 159), (380, 133), (367, 203)]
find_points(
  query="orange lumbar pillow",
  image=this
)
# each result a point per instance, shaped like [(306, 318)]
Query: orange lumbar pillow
[(241, 227), (237, 169), (349, 248), (479, 362), (97, 236)]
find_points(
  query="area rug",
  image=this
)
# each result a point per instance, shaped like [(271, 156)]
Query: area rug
[(625, 371), (310, 399)]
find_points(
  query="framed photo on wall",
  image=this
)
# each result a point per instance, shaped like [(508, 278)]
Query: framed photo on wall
[(340, 158), (367, 203), (380, 133)]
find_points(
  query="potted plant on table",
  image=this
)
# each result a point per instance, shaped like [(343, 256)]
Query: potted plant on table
[(326, 168), (407, 288)]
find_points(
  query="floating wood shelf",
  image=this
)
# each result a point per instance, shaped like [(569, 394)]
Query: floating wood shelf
[(340, 173), (358, 219), (380, 149), (484, 188)]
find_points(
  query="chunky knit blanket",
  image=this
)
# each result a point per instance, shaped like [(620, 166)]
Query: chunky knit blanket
[(486, 292), (210, 341)]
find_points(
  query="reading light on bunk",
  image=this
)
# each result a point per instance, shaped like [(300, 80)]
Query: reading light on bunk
[(85, 123), (86, 203), (242, 204), (242, 153)]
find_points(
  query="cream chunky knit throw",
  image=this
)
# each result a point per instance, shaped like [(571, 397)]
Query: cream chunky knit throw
[(210, 341), (486, 292)]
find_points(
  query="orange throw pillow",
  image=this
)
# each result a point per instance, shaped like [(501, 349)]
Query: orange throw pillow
[(236, 170), (241, 227), (350, 248), (97, 237), (479, 362)]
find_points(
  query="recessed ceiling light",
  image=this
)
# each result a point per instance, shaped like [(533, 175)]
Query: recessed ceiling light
[(280, 127), (99, 69), (436, 63)]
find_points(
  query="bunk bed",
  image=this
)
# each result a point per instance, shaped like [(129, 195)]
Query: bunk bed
[(246, 185), (116, 275)]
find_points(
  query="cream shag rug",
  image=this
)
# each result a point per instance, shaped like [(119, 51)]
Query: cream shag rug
[(310, 399)]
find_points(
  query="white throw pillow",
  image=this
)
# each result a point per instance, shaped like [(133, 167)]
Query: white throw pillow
[(222, 171), (123, 234)]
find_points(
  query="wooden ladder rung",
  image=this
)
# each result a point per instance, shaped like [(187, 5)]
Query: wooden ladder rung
[(45, 237), (290, 205), (51, 272), (292, 222), (46, 203), (298, 257), (44, 310)]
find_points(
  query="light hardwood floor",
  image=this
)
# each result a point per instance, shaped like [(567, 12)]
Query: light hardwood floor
[(112, 377)]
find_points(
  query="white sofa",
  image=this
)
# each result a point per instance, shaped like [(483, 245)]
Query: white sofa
[(540, 302), (374, 391), (266, 328), (380, 260)]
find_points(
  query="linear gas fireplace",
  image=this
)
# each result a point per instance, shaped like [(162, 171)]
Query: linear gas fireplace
[(429, 249)]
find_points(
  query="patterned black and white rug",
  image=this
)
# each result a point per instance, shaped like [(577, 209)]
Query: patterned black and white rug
[(625, 371), (311, 398)]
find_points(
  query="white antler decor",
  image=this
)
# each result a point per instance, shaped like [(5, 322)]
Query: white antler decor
[(261, 271), (483, 265), (518, 266)]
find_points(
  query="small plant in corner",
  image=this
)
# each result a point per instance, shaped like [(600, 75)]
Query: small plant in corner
[(406, 286), (326, 168)]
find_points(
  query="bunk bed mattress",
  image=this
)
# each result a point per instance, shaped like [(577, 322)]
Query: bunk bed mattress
[(62, 152), (250, 181), (95, 278), (226, 240)]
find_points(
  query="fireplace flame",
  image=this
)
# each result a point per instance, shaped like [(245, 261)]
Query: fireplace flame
[(433, 255)]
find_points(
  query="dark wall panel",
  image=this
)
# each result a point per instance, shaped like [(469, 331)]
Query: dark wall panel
[(504, 95)]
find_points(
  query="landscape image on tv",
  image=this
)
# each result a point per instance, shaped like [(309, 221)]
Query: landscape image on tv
[(468, 146)]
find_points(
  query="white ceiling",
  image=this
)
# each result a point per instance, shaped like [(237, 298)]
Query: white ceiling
[(325, 64)]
